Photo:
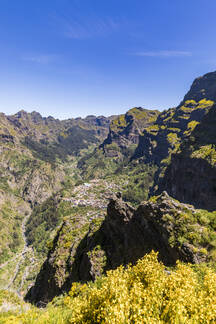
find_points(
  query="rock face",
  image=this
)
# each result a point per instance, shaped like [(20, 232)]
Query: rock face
[(119, 146), (172, 151), (48, 128), (124, 131), (191, 175), (203, 87), (169, 130), (149, 137), (173, 126), (125, 235), (159, 146)]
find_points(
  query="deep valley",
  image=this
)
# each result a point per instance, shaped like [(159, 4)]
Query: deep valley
[(82, 197)]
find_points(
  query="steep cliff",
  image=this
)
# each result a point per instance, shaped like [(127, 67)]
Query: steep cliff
[(141, 142), (145, 152), (124, 131), (203, 87), (191, 175), (171, 127), (114, 154), (159, 143)]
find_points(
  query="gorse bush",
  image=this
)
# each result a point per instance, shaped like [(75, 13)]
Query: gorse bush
[(144, 293)]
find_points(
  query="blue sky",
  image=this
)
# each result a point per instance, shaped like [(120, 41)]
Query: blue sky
[(69, 58)]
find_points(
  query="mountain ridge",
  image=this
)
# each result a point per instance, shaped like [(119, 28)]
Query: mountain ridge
[(64, 172), (125, 235)]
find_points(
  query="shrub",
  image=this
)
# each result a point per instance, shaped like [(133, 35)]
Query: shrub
[(144, 293)]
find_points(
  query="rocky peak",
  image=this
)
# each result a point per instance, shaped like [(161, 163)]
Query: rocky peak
[(174, 125), (125, 129), (36, 117), (98, 120), (118, 210), (126, 234), (21, 114), (203, 87)]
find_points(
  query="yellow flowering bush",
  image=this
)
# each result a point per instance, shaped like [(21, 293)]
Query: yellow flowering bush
[(144, 293), (206, 152)]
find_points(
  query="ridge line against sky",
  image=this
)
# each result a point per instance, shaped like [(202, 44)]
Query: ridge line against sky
[(70, 58)]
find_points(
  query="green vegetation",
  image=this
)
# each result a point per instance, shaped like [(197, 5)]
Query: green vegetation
[(205, 103), (113, 147), (11, 304), (143, 114), (207, 152), (153, 128), (10, 231), (46, 163), (96, 165), (201, 143), (144, 293), (140, 180), (69, 143), (194, 227), (118, 123), (192, 125), (172, 139), (44, 218)]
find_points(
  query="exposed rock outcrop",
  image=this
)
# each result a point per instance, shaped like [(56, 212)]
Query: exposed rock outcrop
[(125, 235), (125, 129), (191, 175), (203, 87), (48, 128), (169, 130), (173, 150)]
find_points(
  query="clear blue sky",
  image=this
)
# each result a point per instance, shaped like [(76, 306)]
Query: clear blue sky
[(69, 58)]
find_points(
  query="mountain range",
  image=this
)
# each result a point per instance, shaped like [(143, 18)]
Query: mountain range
[(82, 196)]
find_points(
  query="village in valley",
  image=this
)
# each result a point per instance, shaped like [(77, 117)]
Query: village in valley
[(95, 193)]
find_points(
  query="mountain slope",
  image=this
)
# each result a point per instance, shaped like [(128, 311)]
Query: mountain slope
[(56, 177), (120, 143), (141, 142), (203, 87), (175, 230), (191, 174), (37, 159), (124, 131), (169, 130)]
